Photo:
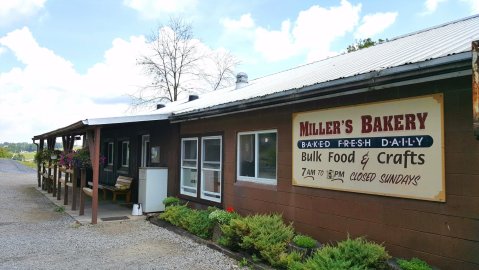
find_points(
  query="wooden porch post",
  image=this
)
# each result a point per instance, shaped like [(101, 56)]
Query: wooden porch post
[(39, 173), (82, 194), (96, 173)]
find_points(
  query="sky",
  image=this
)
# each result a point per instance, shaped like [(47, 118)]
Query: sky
[(64, 61)]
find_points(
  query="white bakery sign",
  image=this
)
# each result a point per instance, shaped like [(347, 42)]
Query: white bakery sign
[(392, 148)]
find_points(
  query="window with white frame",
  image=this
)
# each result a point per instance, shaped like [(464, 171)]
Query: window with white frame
[(109, 157), (189, 166), (211, 168), (256, 160), (125, 153)]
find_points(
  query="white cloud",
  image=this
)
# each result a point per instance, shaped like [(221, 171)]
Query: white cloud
[(311, 34), (375, 24), (13, 10), (48, 93), (430, 6), (244, 22), (153, 9), (317, 27), (473, 4), (276, 45)]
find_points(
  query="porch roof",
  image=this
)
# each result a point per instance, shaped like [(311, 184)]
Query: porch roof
[(80, 126)]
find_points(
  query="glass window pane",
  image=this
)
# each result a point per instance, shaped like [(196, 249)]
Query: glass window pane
[(211, 165), (212, 150), (124, 154), (189, 163), (211, 181), (188, 177), (189, 149), (247, 155), (267, 155), (110, 154)]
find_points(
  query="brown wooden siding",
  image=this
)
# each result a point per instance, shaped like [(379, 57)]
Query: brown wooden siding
[(444, 234), (161, 133)]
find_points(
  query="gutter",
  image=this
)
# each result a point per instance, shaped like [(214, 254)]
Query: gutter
[(452, 66)]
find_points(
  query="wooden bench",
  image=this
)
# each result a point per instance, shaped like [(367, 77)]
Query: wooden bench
[(122, 187)]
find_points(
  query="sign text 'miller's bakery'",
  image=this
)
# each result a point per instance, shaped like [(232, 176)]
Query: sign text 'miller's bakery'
[(369, 124)]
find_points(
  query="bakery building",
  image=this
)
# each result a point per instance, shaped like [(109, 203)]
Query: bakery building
[(380, 142)]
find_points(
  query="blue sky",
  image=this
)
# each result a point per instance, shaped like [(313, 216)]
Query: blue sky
[(62, 61)]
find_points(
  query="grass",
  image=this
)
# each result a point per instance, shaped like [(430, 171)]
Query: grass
[(28, 156), (30, 164)]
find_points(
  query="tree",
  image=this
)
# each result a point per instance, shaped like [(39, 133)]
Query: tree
[(363, 43), (4, 153), (179, 63)]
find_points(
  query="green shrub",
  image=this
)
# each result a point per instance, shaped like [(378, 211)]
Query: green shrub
[(414, 264), (265, 235), (291, 260), (176, 215), (233, 233), (222, 217), (199, 224), (169, 201), (349, 254), (194, 221), (304, 241)]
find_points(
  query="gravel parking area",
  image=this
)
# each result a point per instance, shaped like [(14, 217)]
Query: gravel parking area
[(34, 236)]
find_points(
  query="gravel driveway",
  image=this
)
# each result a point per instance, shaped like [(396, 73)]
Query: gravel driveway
[(34, 236)]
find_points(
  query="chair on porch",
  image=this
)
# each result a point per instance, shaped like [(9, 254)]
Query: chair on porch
[(122, 187)]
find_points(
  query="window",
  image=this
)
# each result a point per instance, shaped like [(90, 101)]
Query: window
[(211, 168), (109, 157), (189, 166), (257, 156), (125, 153)]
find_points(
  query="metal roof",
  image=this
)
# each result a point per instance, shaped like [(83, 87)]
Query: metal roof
[(423, 49), (418, 47)]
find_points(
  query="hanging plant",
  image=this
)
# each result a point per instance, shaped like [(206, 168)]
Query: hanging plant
[(66, 159), (43, 156), (81, 158)]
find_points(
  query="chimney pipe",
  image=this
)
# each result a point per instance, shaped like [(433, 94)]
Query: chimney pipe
[(241, 80), (192, 97)]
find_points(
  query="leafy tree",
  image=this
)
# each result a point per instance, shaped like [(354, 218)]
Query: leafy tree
[(4, 153), (179, 63), (363, 43), (19, 147), (18, 157)]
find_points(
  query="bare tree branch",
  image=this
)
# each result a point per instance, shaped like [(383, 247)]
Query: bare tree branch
[(177, 65)]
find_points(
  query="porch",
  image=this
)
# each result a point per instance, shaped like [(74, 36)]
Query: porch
[(107, 209), (116, 148)]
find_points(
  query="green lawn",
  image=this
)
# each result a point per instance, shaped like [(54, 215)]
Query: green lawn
[(28, 155)]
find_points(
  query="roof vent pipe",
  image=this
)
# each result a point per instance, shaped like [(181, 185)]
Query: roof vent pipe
[(192, 97), (159, 106), (241, 80)]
